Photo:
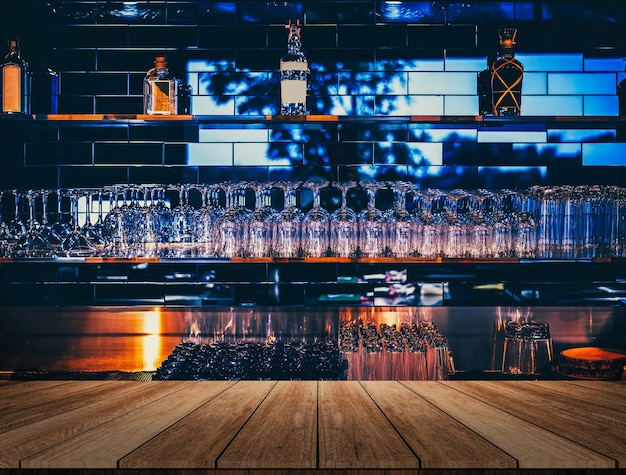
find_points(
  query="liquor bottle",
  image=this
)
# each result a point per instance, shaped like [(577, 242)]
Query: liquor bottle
[(294, 70), (506, 77), (160, 90), (16, 82), (184, 98)]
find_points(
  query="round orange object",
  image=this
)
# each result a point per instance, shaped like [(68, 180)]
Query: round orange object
[(592, 363)]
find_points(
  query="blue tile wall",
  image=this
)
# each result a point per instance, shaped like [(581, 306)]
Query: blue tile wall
[(367, 59)]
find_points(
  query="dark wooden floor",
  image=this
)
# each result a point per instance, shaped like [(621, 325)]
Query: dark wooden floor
[(312, 427)]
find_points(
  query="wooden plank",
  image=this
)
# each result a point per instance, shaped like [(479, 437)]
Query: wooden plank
[(36, 405), (26, 440), (105, 445), (436, 438), (281, 434), (531, 445), (551, 414), (197, 440), (11, 390), (354, 433), (615, 387)]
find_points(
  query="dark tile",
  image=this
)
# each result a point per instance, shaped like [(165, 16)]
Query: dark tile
[(379, 133), (339, 60), (162, 36), (96, 177), (175, 154), (496, 178), (469, 153), (90, 132), (234, 174), (341, 12), (119, 105), (58, 153), (74, 60), (131, 13), (319, 36), (165, 131), (28, 178), (163, 175), (444, 177), (125, 60), (218, 37), (128, 153), (380, 36), (94, 83), (259, 59), (339, 154), (70, 104), (20, 131), (88, 36), (400, 58), (427, 36)]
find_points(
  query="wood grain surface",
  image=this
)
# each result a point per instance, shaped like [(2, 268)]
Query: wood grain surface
[(313, 427)]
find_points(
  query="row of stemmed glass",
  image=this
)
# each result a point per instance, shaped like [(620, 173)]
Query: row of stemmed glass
[(563, 221)]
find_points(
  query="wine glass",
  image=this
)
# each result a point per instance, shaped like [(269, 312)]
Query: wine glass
[(344, 227), (427, 233), (259, 228), (315, 225), (287, 225), (401, 225), (93, 232), (372, 238), (207, 220), (231, 224), (32, 243), (45, 230), (184, 224), (76, 244)]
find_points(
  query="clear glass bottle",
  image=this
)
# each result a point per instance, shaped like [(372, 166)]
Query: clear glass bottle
[(160, 90), (16, 81), (507, 74), (294, 71)]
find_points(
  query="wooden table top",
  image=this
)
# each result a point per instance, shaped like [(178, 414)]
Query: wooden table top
[(313, 427)]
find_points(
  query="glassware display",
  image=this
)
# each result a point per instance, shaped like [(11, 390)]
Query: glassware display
[(545, 222), (294, 71), (160, 90), (16, 81), (527, 348), (507, 75)]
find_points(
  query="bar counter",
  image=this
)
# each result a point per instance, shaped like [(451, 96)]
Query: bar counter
[(245, 427)]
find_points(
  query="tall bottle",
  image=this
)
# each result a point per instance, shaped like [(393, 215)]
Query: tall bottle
[(160, 90), (294, 71), (16, 82), (507, 74)]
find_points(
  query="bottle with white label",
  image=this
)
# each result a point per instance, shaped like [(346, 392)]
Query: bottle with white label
[(16, 81), (294, 71)]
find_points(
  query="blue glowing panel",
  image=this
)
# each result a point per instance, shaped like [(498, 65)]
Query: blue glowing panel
[(552, 105), (442, 83), (509, 136), (267, 12), (581, 135), (512, 177), (387, 83), (604, 154), (600, 105), (411, 12), (422, 153), (604, 64), (535, 83), (581, 83), (551, 62), (255, 154), (394, 105), (471, 12), (257, 105), (466, 64), (209, 105), (233, 135), (461, 105), (431, 133), (210, 154), (545, 153), (426, 105)]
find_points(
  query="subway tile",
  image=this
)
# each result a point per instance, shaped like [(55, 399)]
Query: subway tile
[(373, 172), (552, 105), (232, 174), (551, 154), (210, 154), (207, 105), (128, 153), (70, 104), (339, 154), (417, 153), (460, 105), (262, 154), (566, 62), (442, 83), (125, 60), (61, 153), (420, 132), (465, 63), (426, 105), (609, 64), (62, 59), (511, 177), (468, 153), (216, 13), (89, 36), (164, 175), (160, 131), (510, 136), (370, 82), (600, 106), (365, 132), (535, 83), (604, 154), (221, 37), (88, 132), (431, 36), (581, 83), (260, 12), (162, 36), (95, 177), (257, 105), (32, 177), (581, 135), (379, 36), (258, 59), (119, 105), (93, 83), (245, 134), (318, 36), (341, 12), (341, 60), (175, 154), (446, 177)]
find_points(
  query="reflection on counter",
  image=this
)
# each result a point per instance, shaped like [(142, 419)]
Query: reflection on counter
[(39, 341)]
